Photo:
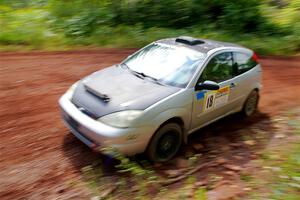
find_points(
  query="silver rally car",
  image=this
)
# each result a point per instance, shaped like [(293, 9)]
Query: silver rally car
[(159, 95)]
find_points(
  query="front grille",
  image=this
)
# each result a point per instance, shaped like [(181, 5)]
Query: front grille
[(75, 125), (85, 111), (88, 113)]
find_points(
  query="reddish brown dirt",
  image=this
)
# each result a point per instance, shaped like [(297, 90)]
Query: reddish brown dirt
[(39, 159)]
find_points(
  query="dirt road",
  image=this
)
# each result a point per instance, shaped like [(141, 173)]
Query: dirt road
[(38, 156)]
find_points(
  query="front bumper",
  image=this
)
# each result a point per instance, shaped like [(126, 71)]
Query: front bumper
[(97, 135)]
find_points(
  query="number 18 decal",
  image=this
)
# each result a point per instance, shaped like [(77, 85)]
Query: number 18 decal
[(209, 101), (216, 99)]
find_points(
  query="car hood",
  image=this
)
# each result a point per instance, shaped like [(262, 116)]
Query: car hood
[(115, 89)]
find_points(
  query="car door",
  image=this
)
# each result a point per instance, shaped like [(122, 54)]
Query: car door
[(210, 105)]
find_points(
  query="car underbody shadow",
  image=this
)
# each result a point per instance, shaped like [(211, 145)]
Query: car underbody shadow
[(232, 128), (233, 138)]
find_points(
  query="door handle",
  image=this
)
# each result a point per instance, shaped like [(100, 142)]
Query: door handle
[(232, 85)]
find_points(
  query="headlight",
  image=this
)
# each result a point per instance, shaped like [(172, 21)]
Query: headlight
[(71, 90), (121, 119)]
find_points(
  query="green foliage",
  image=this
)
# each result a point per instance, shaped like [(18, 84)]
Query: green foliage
[(142, 177), (127, 165), (82, 17), (286, 179), (200, 194), (23, 27), (133, 23), (240, 16), (23, 3), (280, 178), (153, 13)]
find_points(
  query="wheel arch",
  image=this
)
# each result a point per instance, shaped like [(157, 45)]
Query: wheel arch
[(256, 89), (176, 119)]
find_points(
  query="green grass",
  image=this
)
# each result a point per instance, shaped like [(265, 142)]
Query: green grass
[(281, 179), (27, 28), (136, 36), (286, 183), (37, 28)]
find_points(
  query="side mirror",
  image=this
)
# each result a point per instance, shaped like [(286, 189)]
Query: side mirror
[(207, 85)]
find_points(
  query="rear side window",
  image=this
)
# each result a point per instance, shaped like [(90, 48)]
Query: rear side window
[(243, 63)]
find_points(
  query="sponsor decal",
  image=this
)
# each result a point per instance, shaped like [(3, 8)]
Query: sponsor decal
[(215, 99), (200, 95)]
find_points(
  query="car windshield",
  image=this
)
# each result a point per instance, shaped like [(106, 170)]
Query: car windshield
[(171, 65)]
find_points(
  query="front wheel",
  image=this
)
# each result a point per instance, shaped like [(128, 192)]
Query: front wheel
[(250, 104), (165, 143)]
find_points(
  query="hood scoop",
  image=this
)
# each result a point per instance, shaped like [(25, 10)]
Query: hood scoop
[(94, 91)]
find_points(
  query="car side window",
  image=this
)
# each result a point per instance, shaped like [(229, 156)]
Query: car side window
[(243, 62), (219, 68)]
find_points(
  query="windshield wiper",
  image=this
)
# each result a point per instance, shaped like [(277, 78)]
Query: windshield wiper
[(124, 65), (141, 74)]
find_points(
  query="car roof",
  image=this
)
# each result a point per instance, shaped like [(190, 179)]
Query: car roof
[(201, 45)]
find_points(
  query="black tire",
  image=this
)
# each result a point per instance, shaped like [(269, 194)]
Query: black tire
[(165, 143), (250, 105)]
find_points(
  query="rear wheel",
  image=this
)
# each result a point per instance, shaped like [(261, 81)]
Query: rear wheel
[(165, 143), (251, 103)]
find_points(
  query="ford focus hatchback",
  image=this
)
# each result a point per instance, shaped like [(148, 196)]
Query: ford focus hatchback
[(156, 97)]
